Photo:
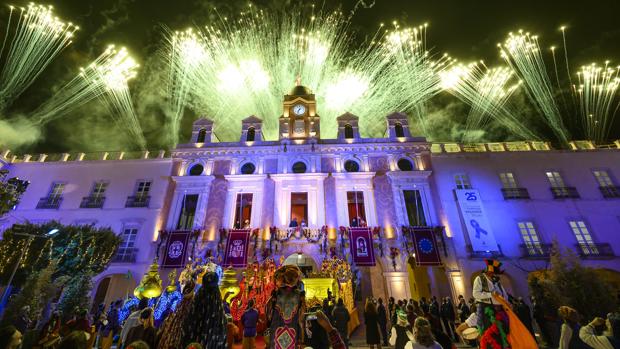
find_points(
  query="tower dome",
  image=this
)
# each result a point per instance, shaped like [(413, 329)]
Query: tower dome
[(300, 90)]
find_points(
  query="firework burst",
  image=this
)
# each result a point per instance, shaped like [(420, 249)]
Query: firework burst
[(30, 43)]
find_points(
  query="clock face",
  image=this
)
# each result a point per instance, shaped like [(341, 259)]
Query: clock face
[(299, 109)]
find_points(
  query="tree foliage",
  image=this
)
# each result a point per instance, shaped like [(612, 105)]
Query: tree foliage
[(76, 249), (568, 282), (75, 295)]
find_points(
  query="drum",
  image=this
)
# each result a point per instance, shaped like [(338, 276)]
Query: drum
[(471, 334)]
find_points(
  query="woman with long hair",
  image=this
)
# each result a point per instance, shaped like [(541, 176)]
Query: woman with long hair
[(371, 319), (423, 336)]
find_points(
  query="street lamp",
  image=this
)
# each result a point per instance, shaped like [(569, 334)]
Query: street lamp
[(31, 237)]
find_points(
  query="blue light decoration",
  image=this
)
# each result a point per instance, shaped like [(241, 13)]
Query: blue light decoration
[(124, 312), (168, 300)]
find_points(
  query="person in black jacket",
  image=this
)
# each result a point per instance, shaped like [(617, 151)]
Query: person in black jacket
[(145, 331), (341, 317), (448, 317), (382, 313)]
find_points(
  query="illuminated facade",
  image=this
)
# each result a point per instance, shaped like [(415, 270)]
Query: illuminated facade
[(526, 196)]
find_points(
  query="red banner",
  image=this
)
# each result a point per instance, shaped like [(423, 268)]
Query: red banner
[(425, 245), (176, 249), (361, 247), (236, 254)]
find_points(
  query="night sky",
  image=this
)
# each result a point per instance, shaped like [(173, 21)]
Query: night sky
[(467, 30)]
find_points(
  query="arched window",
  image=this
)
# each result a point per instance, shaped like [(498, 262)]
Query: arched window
[(202, 135), (351, 166), (299, 167), (398, 129), (250, 135), (405, 165), (348, 131), (196, 170), (248, 168)]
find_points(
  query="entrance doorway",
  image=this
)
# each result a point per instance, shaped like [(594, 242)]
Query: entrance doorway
[(305, 263), (299, 207), (113, 287)]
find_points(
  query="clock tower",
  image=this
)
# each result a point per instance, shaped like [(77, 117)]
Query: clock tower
[(299, 119)]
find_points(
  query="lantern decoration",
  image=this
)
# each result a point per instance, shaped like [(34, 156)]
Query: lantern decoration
[(229, 288), (150, 285)]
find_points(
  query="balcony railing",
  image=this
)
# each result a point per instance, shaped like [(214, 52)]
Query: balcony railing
[(565, 193), (92, 202), (595, 251), (50, 202), (610, 191), (137, 201), (125, 255), (471, 254), (535, 250), (515, 193)]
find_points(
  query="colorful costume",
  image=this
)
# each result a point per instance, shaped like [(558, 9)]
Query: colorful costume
[(172, 330), (493, 322), (285, 309), (206, 321)]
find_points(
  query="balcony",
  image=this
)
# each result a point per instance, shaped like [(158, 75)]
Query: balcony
[(610, 191), (471, 254), (92, 202), (595, 251), (50, 202), (515, 193), (125, 255), (535, 251), (565, 193), (137, 201)]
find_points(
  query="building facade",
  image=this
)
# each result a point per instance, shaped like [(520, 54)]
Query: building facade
[(503, 200)]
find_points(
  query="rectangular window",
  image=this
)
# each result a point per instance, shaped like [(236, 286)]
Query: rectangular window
[(56, 191), (603, 179), (99, 189), (584, 239), (188, 212), (126, 249), (355, 206), (530, 238), (142, 189), (415, 209), (243, 211), (299, 210), (555, 179), (462, 181), (508, 180)]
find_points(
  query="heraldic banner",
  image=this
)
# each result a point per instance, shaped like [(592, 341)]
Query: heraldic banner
[(176, 249), (361, 247), (425, 245), (236, 254)]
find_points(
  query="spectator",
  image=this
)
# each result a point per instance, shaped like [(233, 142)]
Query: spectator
[(372, 324), (434, 310), (75, 340), (424, 305), (524, 314), (341, 317), (569, 336), (334, 337), (317, 335), (592, 334), (293, 223), (462, 309), (382, 314), (448, 317), (80, 321), (328, 309), (411, 316), (133, 320), (391, 307), (401, 335), (111, 325), (472, 305), (249, 320), (423, 336), (50, 333), (145, 331), (231, 331), (10, 337)]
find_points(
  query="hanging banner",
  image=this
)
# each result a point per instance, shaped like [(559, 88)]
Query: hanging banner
[(425, 245), (361, 247), (478, 228), (236, 254), (176, 249)]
